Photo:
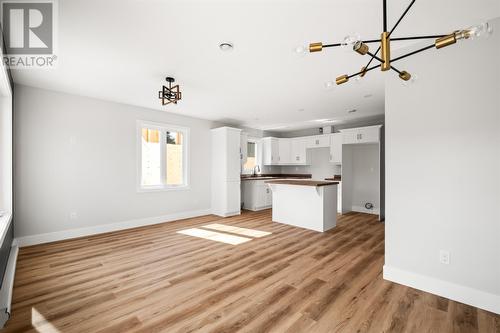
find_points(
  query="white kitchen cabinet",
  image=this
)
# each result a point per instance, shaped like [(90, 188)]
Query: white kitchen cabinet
[(226, 171), (336, 140), (270, 151), (318, 141), (256, 195), (284, 156), (284, 151), (298, 151), (370, 134), (268, 195), (339, 198)]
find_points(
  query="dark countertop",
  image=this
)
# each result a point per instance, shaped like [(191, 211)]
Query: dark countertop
[(301, 182), (275, 176)]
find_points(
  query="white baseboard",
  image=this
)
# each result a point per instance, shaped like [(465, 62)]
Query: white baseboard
[(99, 229), (361, 209), (456, 292)]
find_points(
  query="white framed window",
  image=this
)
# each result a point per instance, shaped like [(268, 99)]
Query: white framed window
[(252, 160), (162, 160)]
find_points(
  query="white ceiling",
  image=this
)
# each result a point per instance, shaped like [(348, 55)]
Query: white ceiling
[(121, 50)]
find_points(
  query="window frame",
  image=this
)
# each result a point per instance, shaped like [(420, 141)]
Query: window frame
[(163, 127), (257, 160)]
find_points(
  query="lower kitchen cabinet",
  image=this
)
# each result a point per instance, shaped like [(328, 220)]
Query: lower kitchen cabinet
[(256, 195)]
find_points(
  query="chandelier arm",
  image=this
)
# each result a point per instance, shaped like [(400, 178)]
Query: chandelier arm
[(414, 52), (417, 37), (331, 45), (371, 59), (382, 61), (403, 15), (371, 41), (340, 44), (374, 56), (384, 5), (385, 25), (364, 71)]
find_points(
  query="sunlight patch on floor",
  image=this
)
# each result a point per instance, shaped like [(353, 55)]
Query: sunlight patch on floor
[(237, 230), (215, 236), (41, 324)]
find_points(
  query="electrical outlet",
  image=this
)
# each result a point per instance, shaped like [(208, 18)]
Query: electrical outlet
[(444, 257), (73, 216)]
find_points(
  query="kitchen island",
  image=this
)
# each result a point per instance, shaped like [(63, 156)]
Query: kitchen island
[(308, 204)]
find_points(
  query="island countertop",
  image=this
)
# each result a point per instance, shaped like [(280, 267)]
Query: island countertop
[(301, 182)]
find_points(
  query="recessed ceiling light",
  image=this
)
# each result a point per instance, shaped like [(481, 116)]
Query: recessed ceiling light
[(226, 46), (323, 120), (352, 111), (367, 95)]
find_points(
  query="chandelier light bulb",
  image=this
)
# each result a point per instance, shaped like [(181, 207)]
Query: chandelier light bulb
[(481, 30), (349, 41), (411, 81), (301, 50), (358, 79), (329, 85)]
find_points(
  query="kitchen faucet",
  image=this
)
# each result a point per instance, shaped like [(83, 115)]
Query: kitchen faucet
[(256, 167)]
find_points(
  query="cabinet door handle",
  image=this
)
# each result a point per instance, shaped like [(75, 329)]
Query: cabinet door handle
[(317, 142)]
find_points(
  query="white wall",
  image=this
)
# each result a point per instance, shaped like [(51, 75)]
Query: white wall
[(77, 154), (443, 172)]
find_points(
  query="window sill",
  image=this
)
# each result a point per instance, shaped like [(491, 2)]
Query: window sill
[(145, 189)]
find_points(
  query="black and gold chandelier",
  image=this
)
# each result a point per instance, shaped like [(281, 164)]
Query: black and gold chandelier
[(385, 61), (170, 94)]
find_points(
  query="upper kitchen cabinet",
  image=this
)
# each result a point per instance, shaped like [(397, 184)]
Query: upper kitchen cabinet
[(270, 151), (370, 134), (298, 151), (284, 151), (336, 140), (318, 141)]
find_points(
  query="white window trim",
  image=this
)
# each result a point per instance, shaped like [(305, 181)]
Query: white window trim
[(257, 160), (185, 157)]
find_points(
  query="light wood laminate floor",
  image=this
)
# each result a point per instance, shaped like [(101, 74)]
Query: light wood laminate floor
[(154, 279)]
